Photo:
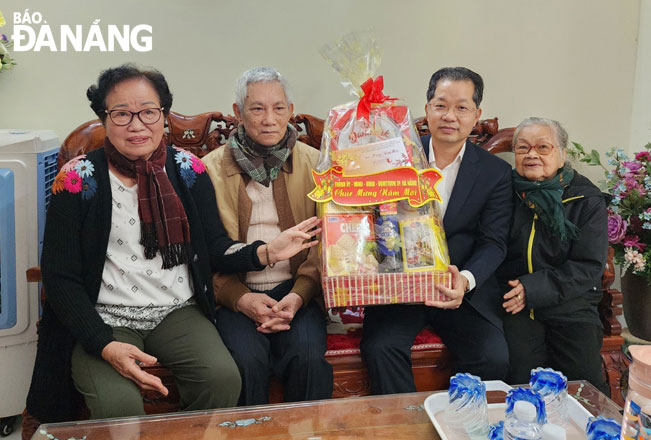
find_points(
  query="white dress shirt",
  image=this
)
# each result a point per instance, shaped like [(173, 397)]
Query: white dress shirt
[(444, 189)]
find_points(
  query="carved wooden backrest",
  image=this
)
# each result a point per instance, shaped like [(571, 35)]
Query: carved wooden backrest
[(200, 134), (486, 134)]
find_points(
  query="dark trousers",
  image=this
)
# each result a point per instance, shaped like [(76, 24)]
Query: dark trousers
[(476, 345), (570, 347), (296, 356)]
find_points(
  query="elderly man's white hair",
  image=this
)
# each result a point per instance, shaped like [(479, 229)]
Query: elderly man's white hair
[(258, 74)]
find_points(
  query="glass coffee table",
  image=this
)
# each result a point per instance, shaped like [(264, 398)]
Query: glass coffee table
[(397, 416)]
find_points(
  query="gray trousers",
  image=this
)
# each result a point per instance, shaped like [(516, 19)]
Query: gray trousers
[(185, 342)]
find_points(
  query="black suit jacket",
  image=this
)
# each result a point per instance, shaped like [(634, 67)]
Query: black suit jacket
[(477, 222)]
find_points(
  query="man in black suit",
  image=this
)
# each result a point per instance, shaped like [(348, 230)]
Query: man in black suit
[(476, 207)]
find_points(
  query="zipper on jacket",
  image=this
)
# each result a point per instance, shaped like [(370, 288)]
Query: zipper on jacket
[(530, 244), (529, 252), (572, 198)]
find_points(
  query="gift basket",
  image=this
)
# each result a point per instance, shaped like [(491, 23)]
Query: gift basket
[(383, 240)]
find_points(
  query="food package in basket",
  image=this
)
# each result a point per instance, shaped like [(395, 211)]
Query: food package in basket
[(383, 240)]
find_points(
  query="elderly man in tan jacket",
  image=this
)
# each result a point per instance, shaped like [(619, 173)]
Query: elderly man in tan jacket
[(270, 320)]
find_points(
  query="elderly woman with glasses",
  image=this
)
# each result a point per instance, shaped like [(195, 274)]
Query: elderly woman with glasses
[(556, 256), (132, 238)]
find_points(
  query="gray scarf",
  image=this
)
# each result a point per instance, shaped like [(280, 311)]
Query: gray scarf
[(261, 163)]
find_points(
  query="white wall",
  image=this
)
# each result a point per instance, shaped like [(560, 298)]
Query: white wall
[(641, 114), (571, 60)]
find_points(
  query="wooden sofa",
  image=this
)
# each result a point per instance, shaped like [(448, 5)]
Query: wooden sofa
[(202, 133)]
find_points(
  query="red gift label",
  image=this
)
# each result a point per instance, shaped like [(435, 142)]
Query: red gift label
[(418, 187)]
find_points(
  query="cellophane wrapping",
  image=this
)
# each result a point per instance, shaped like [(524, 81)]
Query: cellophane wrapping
[(386, 252)]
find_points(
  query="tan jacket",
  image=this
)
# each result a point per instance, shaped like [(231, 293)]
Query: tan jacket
[(290, 191)]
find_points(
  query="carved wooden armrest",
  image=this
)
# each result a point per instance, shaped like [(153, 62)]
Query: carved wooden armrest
[(87, 137), (33, 274), (194, 133), (611, 303), (311, 130)]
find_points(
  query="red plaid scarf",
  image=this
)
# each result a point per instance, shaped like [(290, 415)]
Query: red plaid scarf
[(163, 223)]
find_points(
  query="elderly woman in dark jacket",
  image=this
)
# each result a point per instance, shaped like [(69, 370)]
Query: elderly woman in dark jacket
[(132, 238), (557, 252)]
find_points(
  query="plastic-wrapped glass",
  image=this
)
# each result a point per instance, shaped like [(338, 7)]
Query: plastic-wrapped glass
[(383, 239), (522, 423), (530, 396), (496, 431), (467, 412), (602, 428), (552, 386)]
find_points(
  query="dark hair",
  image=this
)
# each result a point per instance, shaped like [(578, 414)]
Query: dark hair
[(110, 78), (457, 74)]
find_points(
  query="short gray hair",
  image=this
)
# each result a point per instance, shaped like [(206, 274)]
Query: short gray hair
[(559, 131), (258, 74)]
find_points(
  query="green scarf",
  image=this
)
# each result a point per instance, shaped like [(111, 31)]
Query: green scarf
[(261, 163), (545, 198)]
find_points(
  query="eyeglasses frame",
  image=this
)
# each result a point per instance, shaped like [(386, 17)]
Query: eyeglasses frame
[(535, 147), (108, 112)]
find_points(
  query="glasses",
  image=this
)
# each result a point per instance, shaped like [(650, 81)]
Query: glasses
[(459, 110), (147, 116), (542, 149)]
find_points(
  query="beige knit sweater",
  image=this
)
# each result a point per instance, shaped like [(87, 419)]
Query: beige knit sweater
[(264, 225), (290, 191)]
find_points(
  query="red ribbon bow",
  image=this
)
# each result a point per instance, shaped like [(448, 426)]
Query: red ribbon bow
[(372, 95)]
